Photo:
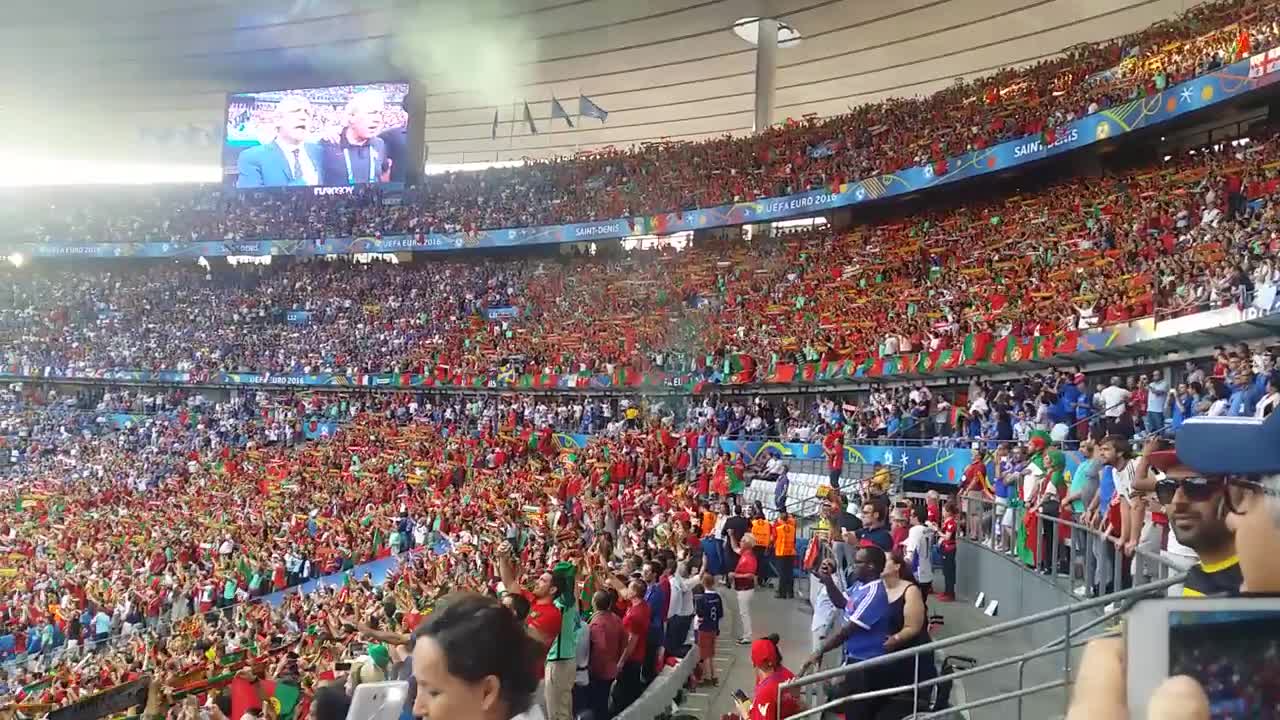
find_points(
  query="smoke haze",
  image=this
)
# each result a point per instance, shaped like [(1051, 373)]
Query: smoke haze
[(468, 47)]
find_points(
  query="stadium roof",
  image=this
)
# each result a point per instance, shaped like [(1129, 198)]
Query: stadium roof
[(87, 78)]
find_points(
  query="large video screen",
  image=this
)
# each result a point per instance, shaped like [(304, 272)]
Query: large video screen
[(332, 136)]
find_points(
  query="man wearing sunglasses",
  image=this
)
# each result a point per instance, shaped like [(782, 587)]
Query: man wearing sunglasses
[(1246, 451), (1196, 506)]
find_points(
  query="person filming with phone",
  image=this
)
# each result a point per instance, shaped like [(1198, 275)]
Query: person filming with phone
[(1229, 467)]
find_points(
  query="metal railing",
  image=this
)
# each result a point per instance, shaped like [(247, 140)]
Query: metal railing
[(1101, 559), (1106, 607)]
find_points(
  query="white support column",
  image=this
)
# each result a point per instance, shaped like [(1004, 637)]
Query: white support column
[(766, 70)]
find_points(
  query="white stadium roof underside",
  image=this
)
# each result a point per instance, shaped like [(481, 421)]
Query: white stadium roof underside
[(90, 82)]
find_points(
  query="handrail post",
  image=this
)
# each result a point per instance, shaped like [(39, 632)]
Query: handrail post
[(1055, 529), (1066, 662), (1071, 559), (1022, 667), (1116, 573), (1039, 545), (915, 688)]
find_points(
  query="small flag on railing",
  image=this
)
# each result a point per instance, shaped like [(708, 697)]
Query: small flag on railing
[(528, 118), (586, 108), (557, 111), (493, 132)]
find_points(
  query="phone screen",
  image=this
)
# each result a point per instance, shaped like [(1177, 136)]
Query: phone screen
[(741, 696), (1234, 654)]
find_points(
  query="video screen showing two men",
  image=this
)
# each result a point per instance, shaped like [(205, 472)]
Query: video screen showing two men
[(342, 135)]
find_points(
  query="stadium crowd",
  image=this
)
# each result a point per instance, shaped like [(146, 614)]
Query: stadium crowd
[(872, 139), (126, 573), (130, 532), (1195, 232), (154, 534)]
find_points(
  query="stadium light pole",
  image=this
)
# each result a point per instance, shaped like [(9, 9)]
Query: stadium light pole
[(766, 71)]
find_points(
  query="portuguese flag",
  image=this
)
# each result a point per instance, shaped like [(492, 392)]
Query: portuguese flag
[(976, 347), (1066, 343), (626, 376), (739, 369), (1002, 351), (734, 475), (809, 372), (1027, 525), (283, 696)]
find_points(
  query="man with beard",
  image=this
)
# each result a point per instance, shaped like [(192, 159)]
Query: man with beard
[(1197, 514)]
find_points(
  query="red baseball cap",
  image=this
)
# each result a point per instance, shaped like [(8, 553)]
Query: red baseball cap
[(762, 651)]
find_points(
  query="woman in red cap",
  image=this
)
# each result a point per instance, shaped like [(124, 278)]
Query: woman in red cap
[(766, 658)]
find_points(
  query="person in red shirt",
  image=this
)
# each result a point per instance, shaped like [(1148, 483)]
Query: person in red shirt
[(629, 684), (898, 527), (766, 658), (544, 619), (743, 578), (608, 640), (833, 447), (948, 547)]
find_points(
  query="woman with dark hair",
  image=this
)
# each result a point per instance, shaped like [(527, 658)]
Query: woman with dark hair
[(330, 702), (908, 628), (472, 660)]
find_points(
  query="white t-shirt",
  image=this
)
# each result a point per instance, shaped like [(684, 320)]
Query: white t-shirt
[(1032, 477), (1113, 400), (681, 603), (1123, 478), (918, 549), (824, 611)]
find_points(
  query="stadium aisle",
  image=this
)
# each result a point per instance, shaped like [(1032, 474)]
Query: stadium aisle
[(790, 619)]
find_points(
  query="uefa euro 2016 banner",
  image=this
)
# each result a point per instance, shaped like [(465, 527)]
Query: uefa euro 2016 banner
[(1224, 84)]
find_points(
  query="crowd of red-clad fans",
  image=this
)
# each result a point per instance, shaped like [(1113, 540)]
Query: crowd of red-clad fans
[(1194, 232), (135, 552), (665, 177)]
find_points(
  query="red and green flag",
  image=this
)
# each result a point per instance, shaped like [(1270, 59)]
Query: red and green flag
[(734, 479), (1002, 350), (809, 372), (284, 697), (783, 373), (877, 367), (1066, 343), (739, 369), (976, 348), (625, 376)]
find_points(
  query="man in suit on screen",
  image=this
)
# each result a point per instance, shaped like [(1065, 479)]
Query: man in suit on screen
[(359, 155), (289, 159)]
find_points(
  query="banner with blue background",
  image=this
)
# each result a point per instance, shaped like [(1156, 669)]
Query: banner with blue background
[(922, 464), (1224, 84)]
